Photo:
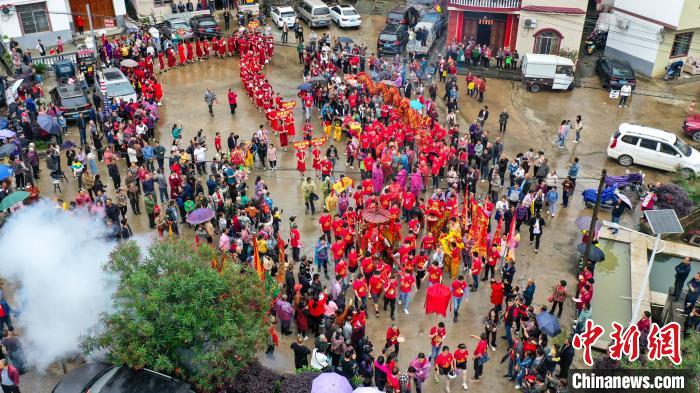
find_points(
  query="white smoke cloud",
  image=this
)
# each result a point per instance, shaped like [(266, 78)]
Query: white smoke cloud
[(55, 259)]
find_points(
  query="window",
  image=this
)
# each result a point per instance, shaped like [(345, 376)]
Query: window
[(632, 140), (648, 144), (681, 44), (162, 2), (33, 18), (667, 149), (547, 42)]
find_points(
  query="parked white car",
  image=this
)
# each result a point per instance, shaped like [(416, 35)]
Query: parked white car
[(283, 15), (636, 144), (345, 15), (118, 85)]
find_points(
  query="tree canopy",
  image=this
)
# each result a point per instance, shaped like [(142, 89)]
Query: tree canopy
[(175, 314)]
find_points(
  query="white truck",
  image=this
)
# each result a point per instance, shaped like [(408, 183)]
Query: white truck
[(416, 46), (551, 71)]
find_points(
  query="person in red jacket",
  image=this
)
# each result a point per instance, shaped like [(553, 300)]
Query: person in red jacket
[(390, 292), (232, 101), (392, 338), (317, 306), (376, 285), (497, 294)]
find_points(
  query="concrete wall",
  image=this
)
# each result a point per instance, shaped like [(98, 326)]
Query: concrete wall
[(59, 23), (639, 43), (570, 27), (666, 11), (690, 16), (663, 56)]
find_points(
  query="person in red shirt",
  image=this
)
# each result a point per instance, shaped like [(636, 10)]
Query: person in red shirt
[(359, 320), (295, 242), (341, 269), (493, 257), (338, 250), (406, 285), (428, 242), (434, 274), (421, 264), (359, 287), (461, 355), (437, 335), (376, 284), (475, 271), (444, 364), (459, 293), (326, 168), (352, 259), (217, 142), (367, 267), (392, 338), (325, 221), (390, 293), (497, 294), (479, 352)]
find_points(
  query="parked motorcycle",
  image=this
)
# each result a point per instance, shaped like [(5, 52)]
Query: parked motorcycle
[(630, 182), (673, 70), (596, 40)]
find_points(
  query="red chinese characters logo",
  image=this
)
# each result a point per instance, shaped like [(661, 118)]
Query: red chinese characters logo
[(665, 342), (624, 342), (586, 339)]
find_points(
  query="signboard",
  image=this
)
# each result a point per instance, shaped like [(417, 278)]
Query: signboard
[(300, 145), (253, 24), (110, 23), (288, 104), (319, 141), (283, 113)]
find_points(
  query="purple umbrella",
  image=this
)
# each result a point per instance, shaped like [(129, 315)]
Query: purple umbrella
[(200, 215), (331, 383), (4, 134)]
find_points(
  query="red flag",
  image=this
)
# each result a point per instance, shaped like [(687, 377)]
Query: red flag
[(497, 234)]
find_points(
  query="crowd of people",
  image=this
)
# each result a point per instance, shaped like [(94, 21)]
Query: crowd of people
[(421, 173)]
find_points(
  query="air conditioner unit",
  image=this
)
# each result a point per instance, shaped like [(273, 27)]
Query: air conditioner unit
[(7, 9), (530, 23), (622, 24)]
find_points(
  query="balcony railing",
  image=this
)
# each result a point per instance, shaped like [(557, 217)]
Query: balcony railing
[(486, 3)]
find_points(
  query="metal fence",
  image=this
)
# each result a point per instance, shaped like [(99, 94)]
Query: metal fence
[(50, 60)]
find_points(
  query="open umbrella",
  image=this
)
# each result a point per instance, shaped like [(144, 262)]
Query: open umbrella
[(129, 63), (4, 134), (548, 323), (624, 199), (596, 254), (345, 40), (331, 383), (16, 85), (317, 79), (5, 172), (376, 215), (415, 104), (4, 122), (68, 145), (304, 86), (13, 199), (200, 215), (8, 149), (49, 124), (585, 223)]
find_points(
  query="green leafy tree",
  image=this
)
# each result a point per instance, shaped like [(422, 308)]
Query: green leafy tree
[(174, 314)]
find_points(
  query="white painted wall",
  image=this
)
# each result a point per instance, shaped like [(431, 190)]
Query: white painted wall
[(641, 38), (10, 26), (119, 7), (666, 11)]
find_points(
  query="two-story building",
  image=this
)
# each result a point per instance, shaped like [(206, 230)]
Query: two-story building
[(529, 26), (651, 35), (28, 21)]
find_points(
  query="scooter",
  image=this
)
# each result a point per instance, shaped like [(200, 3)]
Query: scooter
[(596, 39), (608, 197), (673, 70)]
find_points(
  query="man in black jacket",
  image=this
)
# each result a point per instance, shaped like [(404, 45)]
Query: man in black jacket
[(682, 272), (301, 353), (566, 357)]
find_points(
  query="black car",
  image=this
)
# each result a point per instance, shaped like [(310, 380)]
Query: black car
[(403, 14), (614, 72), (106, 378), (70, 99), (392, 40), (176, 25), (205, 26)]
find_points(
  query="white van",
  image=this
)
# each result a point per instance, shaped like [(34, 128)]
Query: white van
[(636, 144), (552, 71), (314, 12)]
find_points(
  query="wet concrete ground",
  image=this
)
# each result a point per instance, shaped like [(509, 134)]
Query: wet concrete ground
[(534, 119)]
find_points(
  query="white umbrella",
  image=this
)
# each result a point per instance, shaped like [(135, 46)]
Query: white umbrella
[(624, 199), (129, 63), (16, 85), (367, 389)]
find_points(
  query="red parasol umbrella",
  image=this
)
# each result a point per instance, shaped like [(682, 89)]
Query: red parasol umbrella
[(437, 299), (376, 215)]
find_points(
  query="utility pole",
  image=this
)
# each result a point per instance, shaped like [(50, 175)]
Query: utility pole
[(94, 45), (594, 218)]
